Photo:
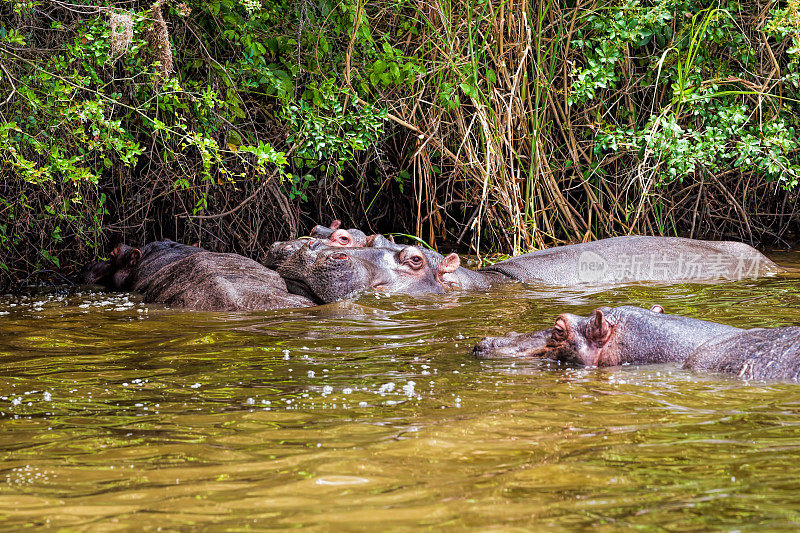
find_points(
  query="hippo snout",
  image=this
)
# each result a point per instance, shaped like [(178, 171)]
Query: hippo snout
[(315, 245), (513, 345)]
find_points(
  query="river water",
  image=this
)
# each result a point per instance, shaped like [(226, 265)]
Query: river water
[(372, 415)]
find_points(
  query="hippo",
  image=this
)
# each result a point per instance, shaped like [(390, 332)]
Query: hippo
[(326, 275), (356, 236), (332, 235), (632, 335), (126, 264), (609, 337), (193, 278)]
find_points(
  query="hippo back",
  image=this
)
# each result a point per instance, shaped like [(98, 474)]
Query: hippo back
[(157, 255), (637, 258), (752, 354), (219, 282)]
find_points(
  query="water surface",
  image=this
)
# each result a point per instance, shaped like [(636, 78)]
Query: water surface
[(372, 414)]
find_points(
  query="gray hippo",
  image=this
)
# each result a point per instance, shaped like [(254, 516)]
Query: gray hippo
[(193, 278), (328, 274), (632, 335), (356, 237)]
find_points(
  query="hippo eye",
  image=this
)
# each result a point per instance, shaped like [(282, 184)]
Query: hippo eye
[(559, 333), (344, 239), (414, 261)]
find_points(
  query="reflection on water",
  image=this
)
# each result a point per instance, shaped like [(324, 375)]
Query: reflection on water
[(372, 414)]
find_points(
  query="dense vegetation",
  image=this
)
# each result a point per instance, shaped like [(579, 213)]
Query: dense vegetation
[(498, 125)]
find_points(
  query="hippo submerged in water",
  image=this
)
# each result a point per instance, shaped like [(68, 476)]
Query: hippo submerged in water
[(332, 235), (190, 277), (329, 273), (632, 335)]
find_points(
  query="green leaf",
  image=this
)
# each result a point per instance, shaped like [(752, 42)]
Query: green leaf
[(379, 66), (469, 90)]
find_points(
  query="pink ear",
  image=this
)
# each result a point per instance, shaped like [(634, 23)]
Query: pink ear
[(657, 309), (599, 327), (136, 255), (450, 264), (391, 238), (335, 224)]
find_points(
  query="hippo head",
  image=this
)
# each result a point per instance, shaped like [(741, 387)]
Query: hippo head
[(117, 271), (584, 341), (336, 236), (595, 340), (280, 251), (329, 274)]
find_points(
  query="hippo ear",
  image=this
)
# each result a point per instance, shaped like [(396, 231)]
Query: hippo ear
[(657, 309), (391, 238), (134, 257), (450, 264), (371, 240), (335, 224), (599, 327)]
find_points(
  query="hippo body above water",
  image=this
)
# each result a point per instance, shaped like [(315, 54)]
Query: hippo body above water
[(193, 278), (637, 258), (315, 269), (632, 335), (772, 353)]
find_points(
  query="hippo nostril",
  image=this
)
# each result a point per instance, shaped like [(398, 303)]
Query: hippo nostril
[(338, 256)]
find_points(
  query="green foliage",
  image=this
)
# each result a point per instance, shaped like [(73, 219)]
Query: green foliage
[(709, 125), (97, 110), (328, 135), (149, 127), (607, 35)]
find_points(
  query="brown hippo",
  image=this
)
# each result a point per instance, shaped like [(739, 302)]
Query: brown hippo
[(190, 277), (632, 335), (327, 274)]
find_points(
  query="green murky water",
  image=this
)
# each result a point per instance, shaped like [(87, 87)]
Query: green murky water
[(372, 415)]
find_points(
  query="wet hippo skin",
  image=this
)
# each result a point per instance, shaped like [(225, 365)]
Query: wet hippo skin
[(189, 277), (609, 337), (772, 353), (632, 335)]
